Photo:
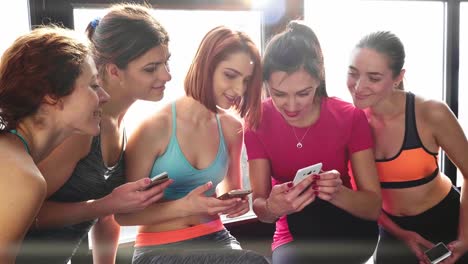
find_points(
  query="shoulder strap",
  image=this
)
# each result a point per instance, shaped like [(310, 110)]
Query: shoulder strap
[(220, 129), (174, 117), (14, 132), (411, 133)]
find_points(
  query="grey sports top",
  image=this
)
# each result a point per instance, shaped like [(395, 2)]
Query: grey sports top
[(91, 179)]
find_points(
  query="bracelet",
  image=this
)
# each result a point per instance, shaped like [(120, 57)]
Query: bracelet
[(267, 207)]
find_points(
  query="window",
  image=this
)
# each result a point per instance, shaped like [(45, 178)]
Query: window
[(13, 26), (424, 55), (185, 38), (463, 75), (423, 39)]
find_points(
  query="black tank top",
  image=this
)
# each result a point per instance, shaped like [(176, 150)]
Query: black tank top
[(91, 179)]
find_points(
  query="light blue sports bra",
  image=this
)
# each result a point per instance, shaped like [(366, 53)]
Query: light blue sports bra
[(185, 176)]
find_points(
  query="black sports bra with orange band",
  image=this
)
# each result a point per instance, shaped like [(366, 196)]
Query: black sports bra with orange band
[(413, 165)]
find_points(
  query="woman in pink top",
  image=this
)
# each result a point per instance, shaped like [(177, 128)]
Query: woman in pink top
[(317, 219)]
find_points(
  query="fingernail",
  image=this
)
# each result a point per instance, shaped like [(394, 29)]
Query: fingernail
[(290, 185), (316, 193), (147, 180), (315, 187), (316, 177)]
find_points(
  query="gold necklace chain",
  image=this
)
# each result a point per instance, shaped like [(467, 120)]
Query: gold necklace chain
[(299, 142)]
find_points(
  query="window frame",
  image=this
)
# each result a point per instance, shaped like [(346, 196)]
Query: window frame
[(61, 12)]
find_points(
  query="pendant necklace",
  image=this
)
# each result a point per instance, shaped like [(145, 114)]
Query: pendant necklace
[(299, 142)]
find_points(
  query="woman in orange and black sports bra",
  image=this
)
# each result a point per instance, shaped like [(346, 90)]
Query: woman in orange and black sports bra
[(421, 207)]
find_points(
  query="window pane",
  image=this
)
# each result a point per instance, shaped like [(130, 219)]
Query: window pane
[(12, 26), (185, 38), (418, 24), (463, 75)]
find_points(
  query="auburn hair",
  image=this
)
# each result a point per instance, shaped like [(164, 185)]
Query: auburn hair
[(216, 46), (44, 62)]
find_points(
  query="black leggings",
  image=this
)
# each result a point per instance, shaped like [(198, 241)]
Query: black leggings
[(438, 224), (324, 233)]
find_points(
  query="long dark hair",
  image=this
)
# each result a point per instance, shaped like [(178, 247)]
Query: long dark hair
[(390, 45), (295, 48)]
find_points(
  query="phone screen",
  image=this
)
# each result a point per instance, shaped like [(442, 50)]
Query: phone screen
[(235, 194), (158, 179), (438, 253)]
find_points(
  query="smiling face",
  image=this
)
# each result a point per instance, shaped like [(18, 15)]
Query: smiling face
[(145, 77), (370, 79), (231, 78), (293, 94), (82, 108)]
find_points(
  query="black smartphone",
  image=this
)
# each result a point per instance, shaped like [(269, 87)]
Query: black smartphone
[(235, 194), (438, 253), (158, 179)]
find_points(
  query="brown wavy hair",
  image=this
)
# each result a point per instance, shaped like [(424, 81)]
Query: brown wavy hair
[(125, 33), (215, 47), (43, 62)]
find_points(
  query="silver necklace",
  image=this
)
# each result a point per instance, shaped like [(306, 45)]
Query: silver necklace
[(299, 142)]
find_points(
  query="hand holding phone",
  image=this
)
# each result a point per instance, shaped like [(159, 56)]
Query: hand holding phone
[(303, 173), (158, 179), (438, 253), (235, 194)]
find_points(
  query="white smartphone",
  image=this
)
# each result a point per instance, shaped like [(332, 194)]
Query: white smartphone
[(158, 179), (235, 194), (301, 174), (438, 253)]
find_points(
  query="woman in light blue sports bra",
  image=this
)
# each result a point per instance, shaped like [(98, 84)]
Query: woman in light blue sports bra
[(37, 113), (198, 143)]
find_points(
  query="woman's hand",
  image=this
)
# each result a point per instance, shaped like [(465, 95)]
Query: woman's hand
[(327, 184), (198, 203), (241, 207), (458, 248), (286, 199), (417, 244), (133, 196)]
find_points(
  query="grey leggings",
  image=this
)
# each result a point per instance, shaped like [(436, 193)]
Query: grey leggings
[(219, 247)]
